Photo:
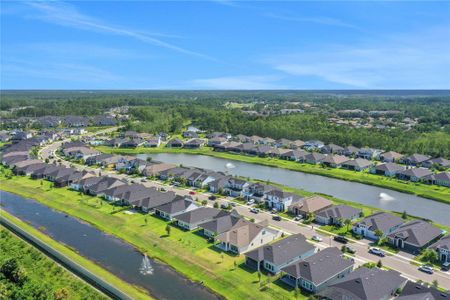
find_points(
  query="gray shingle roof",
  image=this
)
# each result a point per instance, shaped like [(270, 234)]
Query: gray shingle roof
[(364, 283), (417, 233), (221, 224), (416, 291), (339, 211), (443, 243), (381, 221), (200, 215), (174, 206), (283, 250), (390, 167), (320, 266)]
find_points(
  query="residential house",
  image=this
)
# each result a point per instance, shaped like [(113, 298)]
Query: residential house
[(368, 153), (256, 139), (29, 169), (379, 221), (80, 152), (414, 236), (190, 220), (336, 215), (334, 161), (313, 145), (235, 187), (275, 256), (175, 143), (282, 143), (294, 155), (172, 209), (350, 151), (216, 141), (442, 179), (389, 169), (220, 224), (357, 164), (21, 167), (194, 143), (104, 160), (363, 284), (245, 236), (318, 271), (280, 200), (153, 142), (189, 134), (104, 121), (314, 158), (440, 161), (442, 247), (76, 121), (415, 159), (332, 149), (421, 291), (126, 194), (155, 168), (219, 184), (310, 205), (155, 198), (297, 144), (258, 191), (414, 174), (390, 156)]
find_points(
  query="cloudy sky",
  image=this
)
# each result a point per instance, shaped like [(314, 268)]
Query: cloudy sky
[(225, 45)]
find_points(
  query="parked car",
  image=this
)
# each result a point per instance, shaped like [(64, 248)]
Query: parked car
[(191, 193), (426, 269), (163, 189), (340, 239), (317, 238), (445, 266), (276, 218), (273, 211), (250, 202), (233, 204), (212, 197), (144, 180), (224, 205), (377, 251), (254, 210)]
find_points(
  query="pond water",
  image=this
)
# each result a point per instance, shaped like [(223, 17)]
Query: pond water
[(118, 257), (356, 192)]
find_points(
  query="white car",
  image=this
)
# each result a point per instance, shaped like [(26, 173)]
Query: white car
[(377, 251), (317, 238), (298, 218), (254, 210), (250, 202), (426, 269)]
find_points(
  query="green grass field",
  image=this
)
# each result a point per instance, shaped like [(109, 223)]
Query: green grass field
[(44, 279), (438, 193), (187, 252)]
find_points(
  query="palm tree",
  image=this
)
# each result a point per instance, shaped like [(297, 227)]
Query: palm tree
[(347, 222)]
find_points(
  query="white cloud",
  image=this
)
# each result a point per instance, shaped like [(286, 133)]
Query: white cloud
[(67, 15), (420, 61), (237, 83), (315, 19)]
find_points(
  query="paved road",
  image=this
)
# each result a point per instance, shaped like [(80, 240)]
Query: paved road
[(400, 262)]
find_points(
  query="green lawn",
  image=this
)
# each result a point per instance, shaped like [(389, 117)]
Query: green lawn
[(44, 279), (132, 291), (438, 193), (189, 253)]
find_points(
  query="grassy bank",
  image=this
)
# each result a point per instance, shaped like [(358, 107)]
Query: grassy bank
[(187, 252), (43, 275), (437, 193)]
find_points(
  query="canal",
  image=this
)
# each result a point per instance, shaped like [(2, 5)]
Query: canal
[(118, 257), (356, 192)]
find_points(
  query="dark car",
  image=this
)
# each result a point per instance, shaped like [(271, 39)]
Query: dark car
[(340, 239), (350, 250), (276, 218), (212, 197)]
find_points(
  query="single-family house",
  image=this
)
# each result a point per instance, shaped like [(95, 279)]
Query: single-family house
[(414, 174), (332, 149), (414, 236), (155, 168), (170, 210), (216, 141), (174, 143), (235, 186), (258, 191), (282, 143), (194, 143), (350, 151), (369, 153), (442, 247), (313, 145), (294, 155), (364, 284), (389, 169), (390, 156), (415, 159), (336, 215), (220, 224), (297, 144), (245, 236), (442, 179), (334, 161), (379, 221), (310, 205), (421, 291), (275, 256), (189, 134), (219, 184), (318, 271), (280, 200), (440, 161), (190, 220), (357, 164), (313, 158)]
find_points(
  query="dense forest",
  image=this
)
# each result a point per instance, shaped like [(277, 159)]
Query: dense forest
[(25, 273), (170, 111)]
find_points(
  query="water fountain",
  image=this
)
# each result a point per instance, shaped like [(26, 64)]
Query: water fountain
[(386, 197), (146, 268)]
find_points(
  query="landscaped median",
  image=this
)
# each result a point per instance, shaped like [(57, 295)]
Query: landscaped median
[(187, 252), (434, 192), (130, 290)]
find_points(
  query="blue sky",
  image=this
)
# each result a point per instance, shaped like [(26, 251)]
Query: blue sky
[(225, 45)]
